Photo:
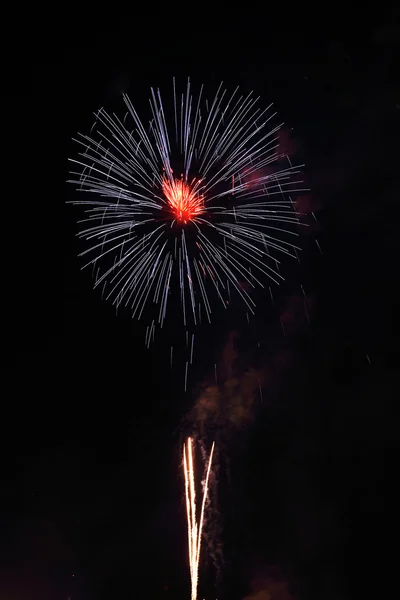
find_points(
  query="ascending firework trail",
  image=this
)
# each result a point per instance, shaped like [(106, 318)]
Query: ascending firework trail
[(195, 529), (190, 210)]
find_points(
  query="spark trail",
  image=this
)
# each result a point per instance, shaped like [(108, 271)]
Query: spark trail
[(194, 528)]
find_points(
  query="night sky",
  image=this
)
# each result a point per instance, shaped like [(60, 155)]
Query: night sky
[(91, 503)]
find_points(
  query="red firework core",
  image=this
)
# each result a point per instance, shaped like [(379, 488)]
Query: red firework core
[(185, 203)]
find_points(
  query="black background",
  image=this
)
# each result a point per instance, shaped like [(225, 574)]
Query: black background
[(91, 494)]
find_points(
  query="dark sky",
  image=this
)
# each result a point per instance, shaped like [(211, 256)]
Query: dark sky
[(91, 494)]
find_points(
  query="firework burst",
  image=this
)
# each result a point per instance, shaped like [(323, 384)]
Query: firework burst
[(190, 210)]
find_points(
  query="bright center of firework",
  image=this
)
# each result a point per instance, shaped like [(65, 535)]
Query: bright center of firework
[(185, 202)]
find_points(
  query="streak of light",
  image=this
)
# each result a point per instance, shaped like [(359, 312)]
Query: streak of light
[(195, 528)]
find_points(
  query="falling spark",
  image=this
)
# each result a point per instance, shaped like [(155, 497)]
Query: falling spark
[(194, 528), (283, 328), (186, 374), (260, 388), (319, 247), (191, 349), (270, 293)]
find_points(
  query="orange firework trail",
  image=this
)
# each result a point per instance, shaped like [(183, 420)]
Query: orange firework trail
[(194, 528)]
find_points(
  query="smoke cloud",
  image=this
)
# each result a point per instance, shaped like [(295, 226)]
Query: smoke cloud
[(269, 589), (231, 403)]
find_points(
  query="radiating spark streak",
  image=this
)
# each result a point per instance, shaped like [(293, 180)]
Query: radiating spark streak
[(191, 206), (191, 349), (319, 247), (186, 374), (195, 528)]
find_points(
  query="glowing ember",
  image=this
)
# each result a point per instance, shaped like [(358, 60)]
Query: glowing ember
[(183, 199)]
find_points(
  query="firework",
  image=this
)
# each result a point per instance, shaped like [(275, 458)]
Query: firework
[(194, 528), (191, 208)]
